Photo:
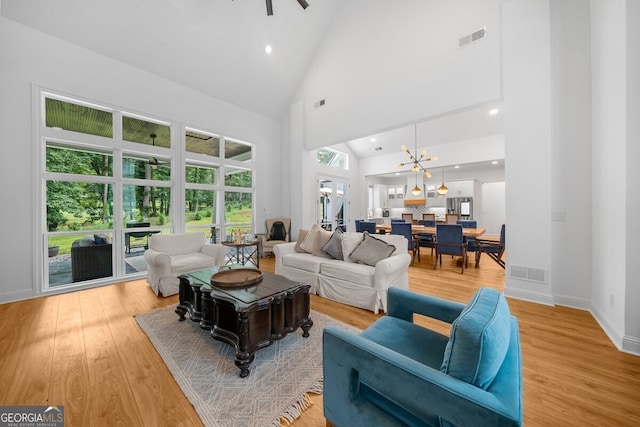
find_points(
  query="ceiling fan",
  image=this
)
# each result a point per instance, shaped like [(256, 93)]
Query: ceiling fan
[(153, 161), (302, 3)]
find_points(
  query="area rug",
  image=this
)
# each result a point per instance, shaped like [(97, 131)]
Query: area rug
[(280, 378)]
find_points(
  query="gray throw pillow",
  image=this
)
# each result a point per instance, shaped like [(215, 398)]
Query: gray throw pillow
[(334, 247), (371, 250)]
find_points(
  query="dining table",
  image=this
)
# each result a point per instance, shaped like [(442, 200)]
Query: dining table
[(418, 229)]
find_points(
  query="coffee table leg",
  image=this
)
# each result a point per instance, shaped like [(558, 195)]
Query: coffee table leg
[(181, 311), (306, 326), (243, 361)]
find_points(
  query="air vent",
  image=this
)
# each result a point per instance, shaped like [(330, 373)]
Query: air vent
[(320, 103), (528, 273), (473, 37)]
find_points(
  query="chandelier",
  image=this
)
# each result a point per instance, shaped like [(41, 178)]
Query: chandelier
[(416, 162)]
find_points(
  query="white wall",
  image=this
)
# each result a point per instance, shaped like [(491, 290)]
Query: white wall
[(527, 129), (493, 207), (381, 66), (570, 151), (32, 58), (631, 340), (609, 148)]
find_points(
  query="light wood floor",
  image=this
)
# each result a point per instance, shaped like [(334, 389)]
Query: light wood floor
[(85, 351)]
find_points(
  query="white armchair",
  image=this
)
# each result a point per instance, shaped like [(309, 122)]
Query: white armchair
[(170, 255), (279, 230)]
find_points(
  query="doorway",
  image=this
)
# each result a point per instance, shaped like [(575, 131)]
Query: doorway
[(332, 203)]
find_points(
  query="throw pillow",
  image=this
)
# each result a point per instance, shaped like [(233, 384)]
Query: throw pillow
[(301, 235), (479, 339), (371, 250), (350, 242), (334, 247), (315, 240)]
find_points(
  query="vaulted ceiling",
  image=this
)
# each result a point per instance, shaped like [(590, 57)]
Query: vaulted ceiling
[(216, 47)]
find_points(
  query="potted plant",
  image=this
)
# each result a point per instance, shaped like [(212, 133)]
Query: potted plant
[(53, 251)]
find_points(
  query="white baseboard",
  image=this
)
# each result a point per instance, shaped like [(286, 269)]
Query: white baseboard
[(528, 295), (15, 296)]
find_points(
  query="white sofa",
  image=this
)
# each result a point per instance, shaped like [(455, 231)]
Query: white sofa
[(346, 281), (170, 255)]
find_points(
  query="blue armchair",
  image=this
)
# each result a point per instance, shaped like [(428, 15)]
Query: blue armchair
[(399, 373)]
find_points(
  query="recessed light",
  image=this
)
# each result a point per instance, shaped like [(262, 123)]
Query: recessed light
[(372, 140), (456, 167), (268, 48), (495, 162), (494, 111), (397, 173)]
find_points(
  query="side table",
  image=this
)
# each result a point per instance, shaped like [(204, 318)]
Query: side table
[(244, 253)]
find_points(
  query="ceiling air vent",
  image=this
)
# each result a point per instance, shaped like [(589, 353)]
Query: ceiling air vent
[(473, 37)]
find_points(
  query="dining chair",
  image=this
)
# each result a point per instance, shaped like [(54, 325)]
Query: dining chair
[(368, 226), (471, 241), (427, 240), (407, 217), (357, 222), (495, 250), (429, 216), (451, 218), (404, 229), (450, 241)]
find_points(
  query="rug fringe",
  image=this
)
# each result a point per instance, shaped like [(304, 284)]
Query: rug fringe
[(299, 406)]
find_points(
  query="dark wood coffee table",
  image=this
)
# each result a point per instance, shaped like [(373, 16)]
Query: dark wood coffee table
[(249, 318)]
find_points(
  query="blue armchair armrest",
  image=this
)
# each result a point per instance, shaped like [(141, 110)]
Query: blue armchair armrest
[(402, 304), (367, 384)]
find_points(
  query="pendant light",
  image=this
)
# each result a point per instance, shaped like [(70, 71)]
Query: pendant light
[(416, 190), (442, 190)]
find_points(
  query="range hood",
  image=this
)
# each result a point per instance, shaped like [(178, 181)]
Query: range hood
[(409, 197)]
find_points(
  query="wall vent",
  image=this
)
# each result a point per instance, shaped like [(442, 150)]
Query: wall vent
[(528, 273), (473, 37), (320, 103)]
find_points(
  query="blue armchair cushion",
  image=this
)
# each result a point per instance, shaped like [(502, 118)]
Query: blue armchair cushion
[(479, 339)]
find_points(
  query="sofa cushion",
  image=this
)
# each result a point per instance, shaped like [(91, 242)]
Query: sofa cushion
[(361, 274), (189, 262), (334, 247), (177, 244), (301, 235), (371, 250), (479, 339), (314, 241), (305, 262)]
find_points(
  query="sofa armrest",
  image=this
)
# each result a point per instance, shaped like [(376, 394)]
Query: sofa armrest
[(361, 376), (215, 251), (159, 262), (402, 304), (390, 269), (284, 249)]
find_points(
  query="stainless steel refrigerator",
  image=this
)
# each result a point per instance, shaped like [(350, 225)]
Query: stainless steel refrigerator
[(461, 205)]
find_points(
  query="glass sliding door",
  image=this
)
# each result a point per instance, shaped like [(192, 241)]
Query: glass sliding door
[(332, 203)]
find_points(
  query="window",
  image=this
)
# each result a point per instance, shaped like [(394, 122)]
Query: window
[(109, 182), (333, 158), (146, 132), (236, 150), (202, 143), (78, 118)]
